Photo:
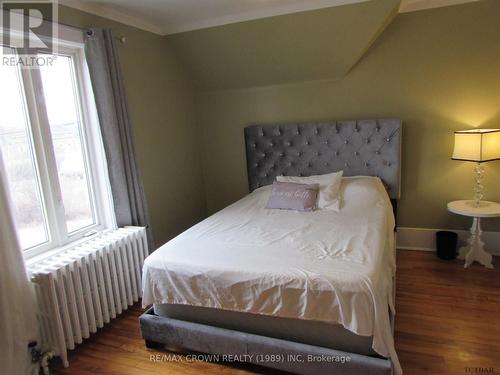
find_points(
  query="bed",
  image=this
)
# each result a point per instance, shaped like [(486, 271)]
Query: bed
[(305, 292)]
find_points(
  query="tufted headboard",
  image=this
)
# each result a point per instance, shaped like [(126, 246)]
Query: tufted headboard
[(362, 147)]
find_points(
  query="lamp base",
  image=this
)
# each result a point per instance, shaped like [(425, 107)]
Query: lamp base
[(478, 188), (478, 204)]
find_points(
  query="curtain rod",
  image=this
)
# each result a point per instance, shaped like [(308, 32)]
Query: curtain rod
[(122, 39)]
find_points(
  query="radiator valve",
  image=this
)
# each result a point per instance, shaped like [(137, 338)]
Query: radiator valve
[(42, 358)]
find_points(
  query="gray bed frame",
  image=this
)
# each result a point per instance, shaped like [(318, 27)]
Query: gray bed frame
[(358, 147)]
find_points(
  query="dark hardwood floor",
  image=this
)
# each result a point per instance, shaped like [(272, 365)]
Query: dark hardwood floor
[(448, 322)]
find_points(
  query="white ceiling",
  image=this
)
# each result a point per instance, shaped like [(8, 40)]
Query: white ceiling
[(174, 16)]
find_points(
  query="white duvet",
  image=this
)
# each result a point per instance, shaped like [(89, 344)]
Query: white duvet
[(324, 265)]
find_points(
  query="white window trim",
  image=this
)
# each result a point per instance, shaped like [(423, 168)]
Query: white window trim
[(70, 42)]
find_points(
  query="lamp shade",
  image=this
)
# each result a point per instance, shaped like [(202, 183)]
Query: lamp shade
[(477, 145)]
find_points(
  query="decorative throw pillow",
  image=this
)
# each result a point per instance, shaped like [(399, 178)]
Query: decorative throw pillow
[(292, 196), (329, 186)]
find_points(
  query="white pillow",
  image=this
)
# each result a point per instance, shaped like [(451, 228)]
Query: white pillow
[(329, 186), (362, 192)]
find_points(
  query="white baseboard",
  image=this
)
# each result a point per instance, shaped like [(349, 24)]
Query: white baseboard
[(425, 239)]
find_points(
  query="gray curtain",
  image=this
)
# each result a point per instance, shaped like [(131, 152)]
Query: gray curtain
[(109, 91)]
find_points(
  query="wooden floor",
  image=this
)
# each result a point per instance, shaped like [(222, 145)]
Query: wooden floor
[(448, 322)]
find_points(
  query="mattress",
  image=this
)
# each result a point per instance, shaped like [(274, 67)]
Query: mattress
[(325, 266)]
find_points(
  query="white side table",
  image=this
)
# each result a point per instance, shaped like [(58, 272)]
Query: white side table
[(474, 250)]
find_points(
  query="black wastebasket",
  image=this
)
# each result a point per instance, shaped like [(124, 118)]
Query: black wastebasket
[(446, 245)]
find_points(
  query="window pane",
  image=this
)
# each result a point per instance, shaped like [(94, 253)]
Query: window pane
[(59, 91), (17, 152)]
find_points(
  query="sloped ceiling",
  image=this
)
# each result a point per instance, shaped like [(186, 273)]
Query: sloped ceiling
[(414, 5), (175, 16), (313, 45)]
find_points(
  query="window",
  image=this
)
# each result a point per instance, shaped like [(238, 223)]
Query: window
[(53, 155)]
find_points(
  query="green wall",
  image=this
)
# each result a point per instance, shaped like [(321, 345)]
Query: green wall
[(303, 46), (161, 97), (438, 70)]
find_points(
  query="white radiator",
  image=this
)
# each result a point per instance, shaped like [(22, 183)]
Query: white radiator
[(81, 289)]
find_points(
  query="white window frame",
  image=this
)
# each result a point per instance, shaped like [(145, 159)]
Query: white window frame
[(69, 43)]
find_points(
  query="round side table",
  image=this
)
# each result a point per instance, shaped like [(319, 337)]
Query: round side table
[(474, 250)]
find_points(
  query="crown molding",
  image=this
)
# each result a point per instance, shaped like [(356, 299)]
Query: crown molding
[(115, 15), (174, 28), (258, 14)]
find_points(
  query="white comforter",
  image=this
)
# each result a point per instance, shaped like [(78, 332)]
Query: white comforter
[(324, 265)]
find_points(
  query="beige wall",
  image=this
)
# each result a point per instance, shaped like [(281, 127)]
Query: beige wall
[(438, 70), (161, 97)]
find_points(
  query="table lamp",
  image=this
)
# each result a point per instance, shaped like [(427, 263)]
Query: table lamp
[(479, 146)]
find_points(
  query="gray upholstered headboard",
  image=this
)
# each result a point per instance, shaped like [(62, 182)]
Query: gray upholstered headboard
[(363, 147)]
